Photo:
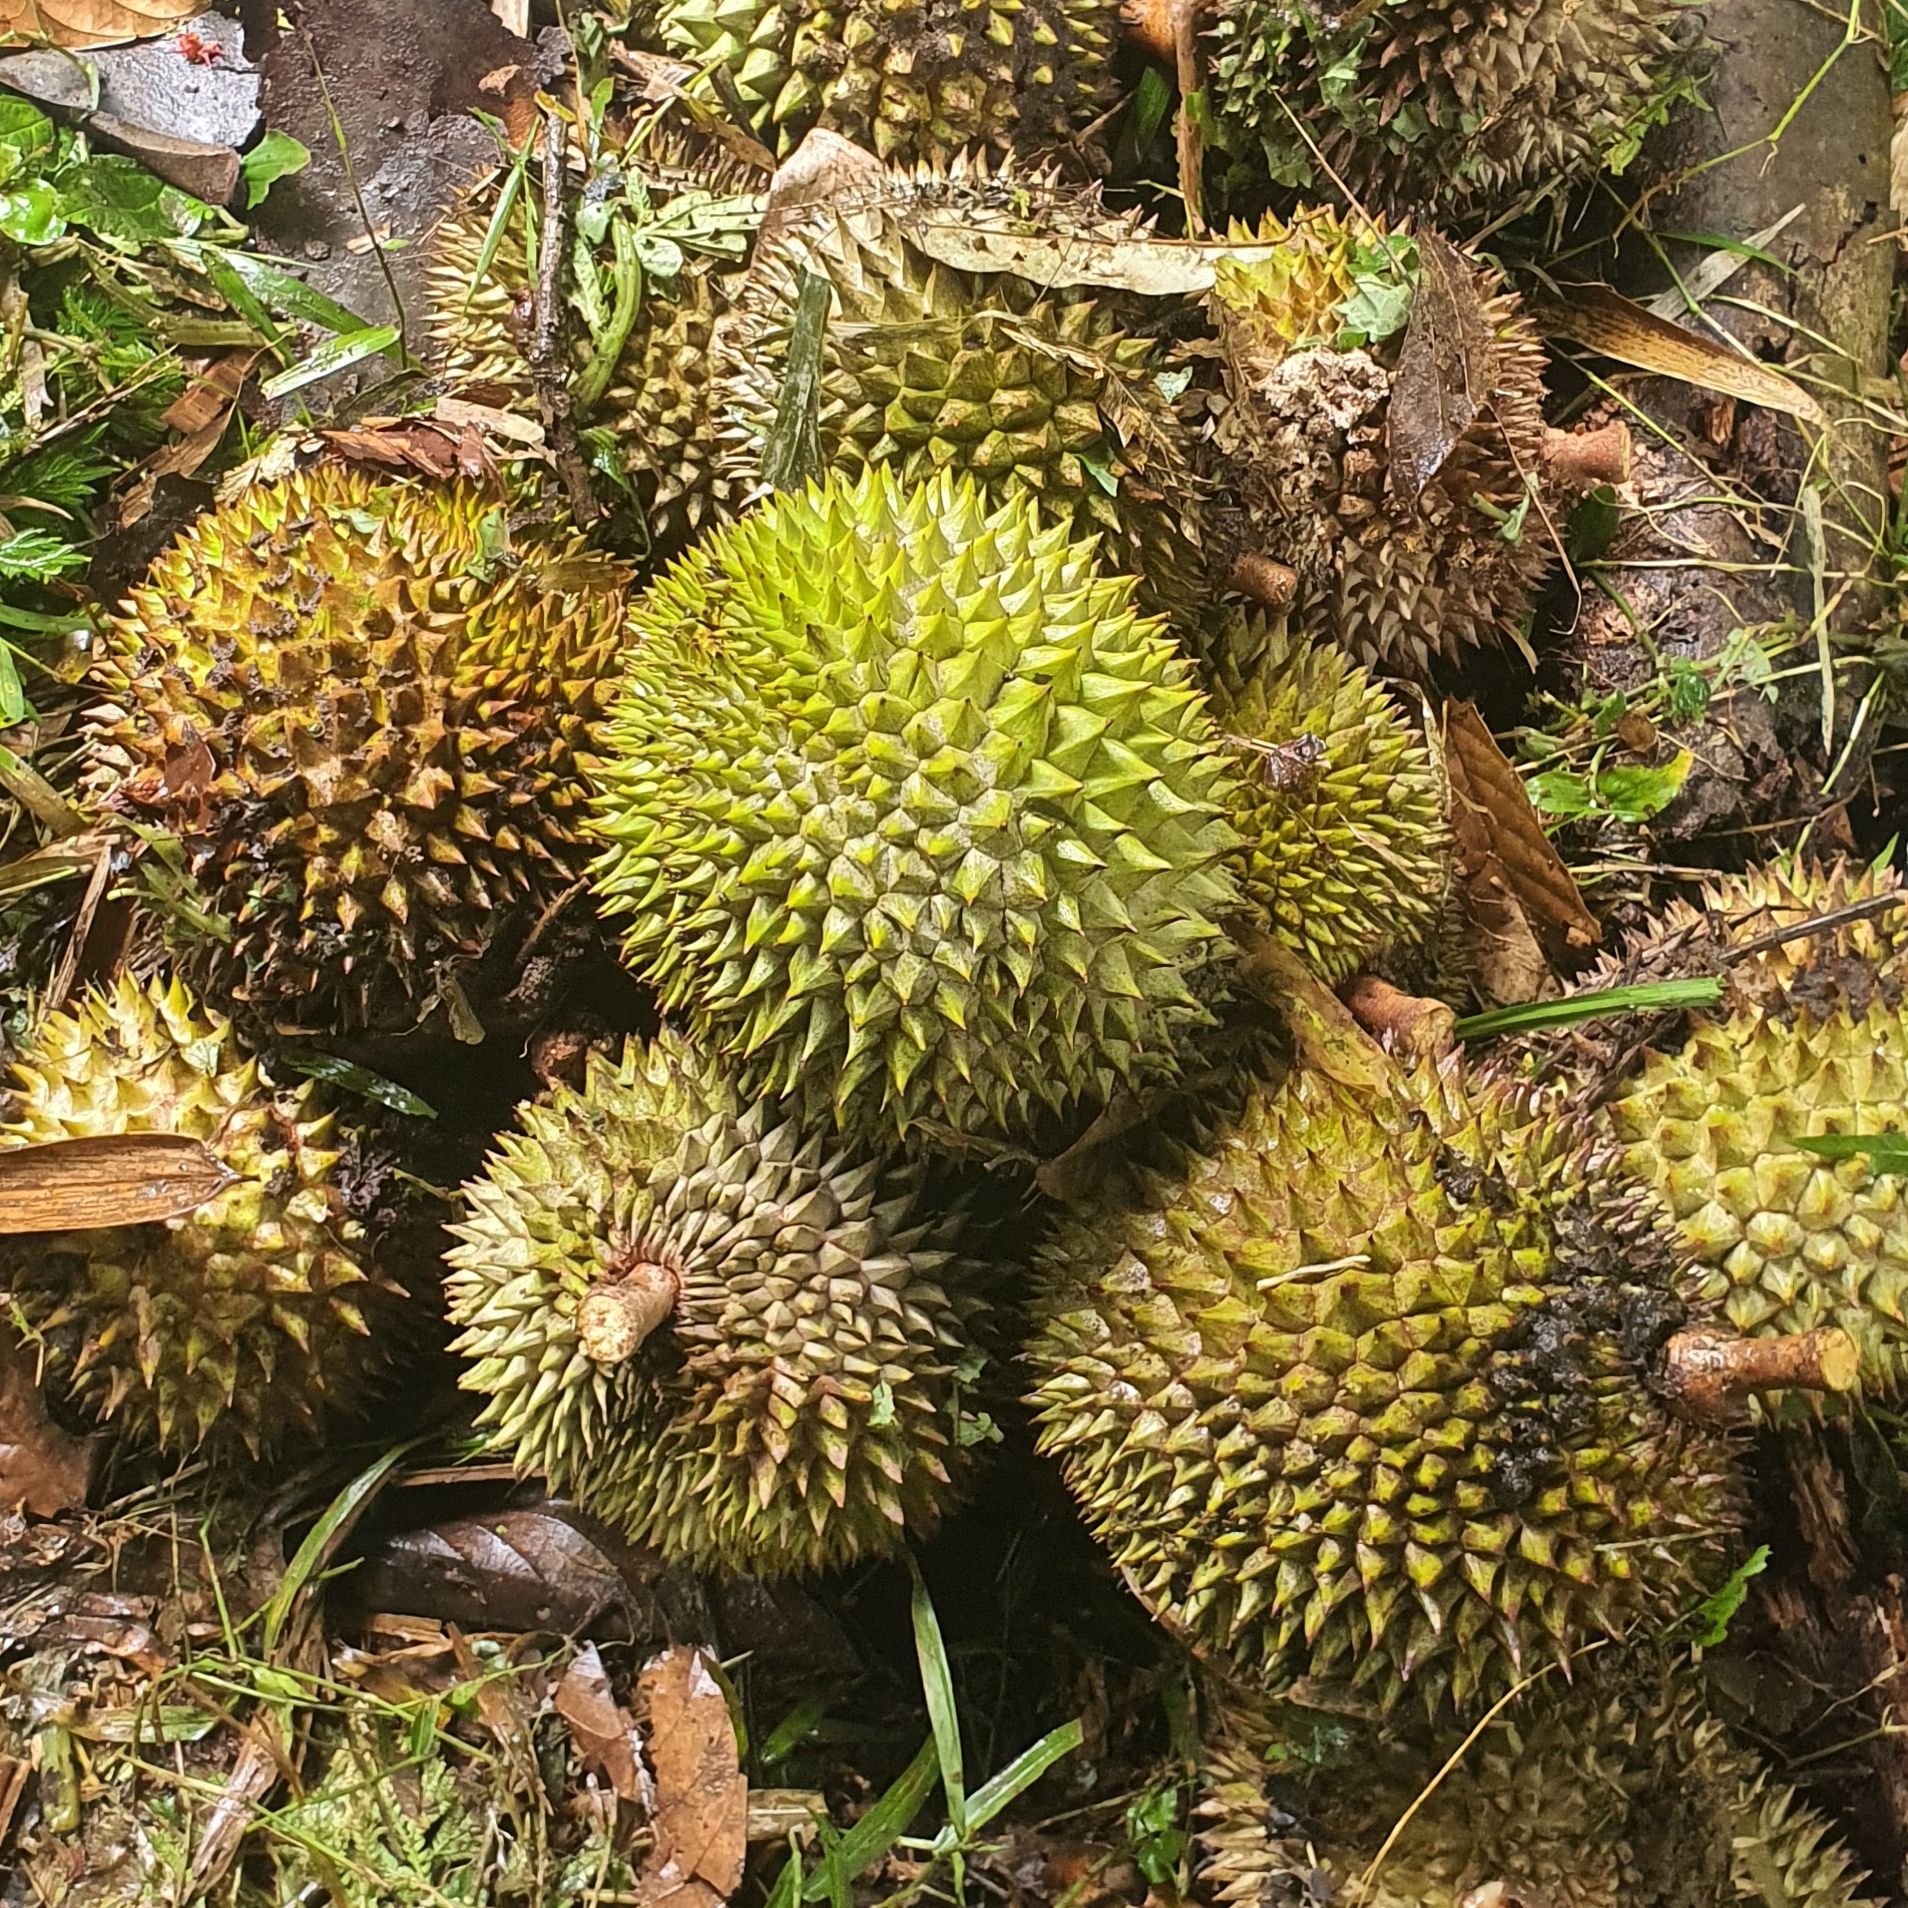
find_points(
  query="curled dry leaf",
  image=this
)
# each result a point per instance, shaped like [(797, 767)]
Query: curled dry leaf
[(113, 1179), (78, 23), (43, 1470), (605, 1735), (1447, 368), (701, 1820)]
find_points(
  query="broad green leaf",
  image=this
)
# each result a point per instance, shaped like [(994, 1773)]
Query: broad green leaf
[(1634, 794), (362, 1081), (30, 215), (119, 200), (1593, 525), (1714, 1615), (338, 354), (26, 134), (1560, 792), (277, 156), (14, 706), (278, 290), (1885, 1152)]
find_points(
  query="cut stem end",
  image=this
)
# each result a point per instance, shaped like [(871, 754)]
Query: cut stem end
[(613, 1318), (1712, 1375)]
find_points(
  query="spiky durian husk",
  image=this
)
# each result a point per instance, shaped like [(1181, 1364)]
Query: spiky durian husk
[(655, 422), (1301, 439), (1028, 387), (800, 1408), (1620, 1792), (1784, 1240), (1431, 103), (912, 79), (905, 807), (1338, 801), (1366, 1389), (259, 1313), (357, 715)]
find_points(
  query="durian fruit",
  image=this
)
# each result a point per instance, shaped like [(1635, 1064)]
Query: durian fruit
[(911, 79), (1338, 802), (1370, 1388), (1028, 384), (908, 811), (258, 1315), (355, 704), (1810, 1042), (1620, 1791), (731, 1340), (1430, 104), (1401, 563), (652, 429)]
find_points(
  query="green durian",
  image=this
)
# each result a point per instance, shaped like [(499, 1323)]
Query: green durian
[(1368, 1388), (355, 705), (1030, 385), (732, 1341), (1401, 566), (260, 1315), (1337, 800), (653, 425), (1620, 1791), (911, 79), (1809, 1043), (1414, 105), (911, 814)]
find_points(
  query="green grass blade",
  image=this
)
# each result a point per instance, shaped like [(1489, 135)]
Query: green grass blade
[(1646, 997), (499, 223), (319, 1540), (1885, 1152), (884, 1824), (938, 1682), (1022, 1773)]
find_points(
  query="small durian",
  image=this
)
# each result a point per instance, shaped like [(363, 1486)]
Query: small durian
[(652, 425), (1030, 385), (1813, 1047), (259, 1314), (911, 814), (1370, 1387), (355, 705), (1337, 799), (1431, 104), (731, 1341), (1620, 1791), (1402, 565), (910, 79)]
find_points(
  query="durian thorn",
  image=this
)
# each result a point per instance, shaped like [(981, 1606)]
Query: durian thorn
[(1327, 1036), (1405, 1023), (1580, 460), (1272, 585), (1710, 1375), (614, 1317)]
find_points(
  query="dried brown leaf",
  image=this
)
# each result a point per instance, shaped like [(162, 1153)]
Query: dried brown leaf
[(1494, 821), (255, 1774), (77, 23), (1619, 328), (701, 1820), (111, 1179), (211, 392), (43, 1470), (1447, 368), (417, 444), (605, 1734)]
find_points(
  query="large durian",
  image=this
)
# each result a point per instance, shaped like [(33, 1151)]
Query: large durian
[(1337, 800), (909, 812), (1414, 104), (355, 705), (1809, 1042), (257, 1315), (1400, 563), (912, 79), (1369, 1388), (1622, 1791), (734, 1342), (1028, 384), (653, 424)]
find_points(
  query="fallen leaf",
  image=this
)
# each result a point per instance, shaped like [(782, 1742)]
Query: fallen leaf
[(210, 392), (416, 444), (43, 1470), (111, 1179), (13, 1775), (77, 23), (1447, 368), (1619, 328), (459, 414), (605, 1735), (255, 1773), (701, 1819)]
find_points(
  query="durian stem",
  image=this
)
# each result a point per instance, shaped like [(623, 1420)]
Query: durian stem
[(1318, 1021), (1580, 460), (613, 1318), (1712, 1375), (1272, 585), (1410, 1023)]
